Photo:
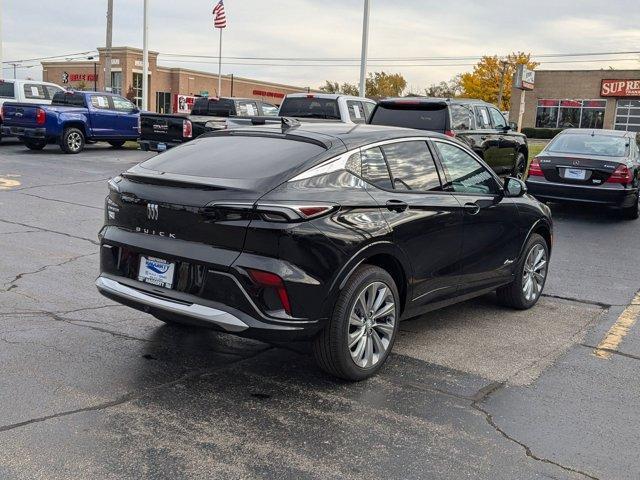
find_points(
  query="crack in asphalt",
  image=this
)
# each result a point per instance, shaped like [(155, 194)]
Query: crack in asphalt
[(127, 397), (61, 201), (35, 313), (15, 233), (610, 350), (40, 229), (82, 324), (12, 283), (579, 300)]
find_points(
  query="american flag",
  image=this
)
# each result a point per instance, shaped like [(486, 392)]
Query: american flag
[(219, 15)]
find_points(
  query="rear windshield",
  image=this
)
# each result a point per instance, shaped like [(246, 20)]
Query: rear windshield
[(310, 108), (68, 99), (420, 116), (213, 107), (239, 157), (587, 144), (7, 90)]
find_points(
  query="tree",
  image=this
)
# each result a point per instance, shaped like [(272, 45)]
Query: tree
[(484, 81), (379, 85), (449, 89)]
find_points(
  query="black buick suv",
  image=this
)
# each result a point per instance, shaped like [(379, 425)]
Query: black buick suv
[(327, 232)]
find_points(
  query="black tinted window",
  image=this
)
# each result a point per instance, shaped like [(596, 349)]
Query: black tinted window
[(464, 173), (310, 107), (213, 107), (240, 157), (412, 166), (7, 90), (460, 118), (69, 99), (374, 168), (433, 117)]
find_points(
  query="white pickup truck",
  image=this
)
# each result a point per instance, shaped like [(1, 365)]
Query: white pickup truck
[(327, 106), (26, 91)]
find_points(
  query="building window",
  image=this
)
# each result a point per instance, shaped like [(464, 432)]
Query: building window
[(137, 89), (570, 113), (116, 82), (628, 115), (163, 102)]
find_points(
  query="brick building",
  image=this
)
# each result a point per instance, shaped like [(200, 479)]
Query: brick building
[(581, 98), (166, 84)]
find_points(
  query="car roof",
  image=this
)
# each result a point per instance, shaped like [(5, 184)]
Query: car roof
[(600, 132), (448, 101), (328, 96), (352, 136)]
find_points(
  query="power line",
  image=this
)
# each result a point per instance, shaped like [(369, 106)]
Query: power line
[(51, 57)]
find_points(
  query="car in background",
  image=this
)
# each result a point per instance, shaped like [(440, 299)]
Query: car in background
[(73, 119), (480, 125), (589, 166), (26, 91), (158, 132), (330, 232), (331, 107)]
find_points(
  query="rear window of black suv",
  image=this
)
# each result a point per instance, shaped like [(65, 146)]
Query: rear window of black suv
[(420, 115), (235, 157)]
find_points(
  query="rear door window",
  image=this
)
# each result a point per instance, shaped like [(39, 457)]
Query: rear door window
[(422, 116), (461, 118), (412, 166), (368, 109), (100, 102), (482, 118), (310, 107), (7, 90), (374, 168), (35, 92), (496, 117), (52, 90), (247, 109), (269, 110), (356, 111)]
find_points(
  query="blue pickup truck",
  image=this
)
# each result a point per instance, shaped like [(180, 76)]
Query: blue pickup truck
[(72, 120)]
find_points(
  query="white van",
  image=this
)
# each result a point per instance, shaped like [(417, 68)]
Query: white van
[(26, 91)]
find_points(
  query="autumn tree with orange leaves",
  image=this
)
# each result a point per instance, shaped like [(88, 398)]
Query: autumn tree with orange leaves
[(484, 82)]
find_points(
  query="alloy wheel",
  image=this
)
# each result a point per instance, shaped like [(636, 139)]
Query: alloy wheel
[(371, 324), (535, 273), (74, 141)]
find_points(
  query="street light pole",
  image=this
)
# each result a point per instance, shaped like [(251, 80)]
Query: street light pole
[(365, 47), (1, 69), (145, 57), (107, 53)]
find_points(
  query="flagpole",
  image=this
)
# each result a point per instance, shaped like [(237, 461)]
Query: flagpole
[(220, 67)]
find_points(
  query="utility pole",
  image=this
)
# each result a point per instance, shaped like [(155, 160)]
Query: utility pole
[(145, 57), (108, 44), (503, 73), (365, 47)]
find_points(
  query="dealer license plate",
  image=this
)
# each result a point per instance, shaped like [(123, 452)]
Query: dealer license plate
[(162, 147), (575, 173), (156, 271)]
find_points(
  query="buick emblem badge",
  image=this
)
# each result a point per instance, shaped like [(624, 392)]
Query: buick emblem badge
[(152, 211), (576, 162)]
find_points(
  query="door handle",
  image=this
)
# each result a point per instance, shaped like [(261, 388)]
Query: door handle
[(397, 205), (472, 208)]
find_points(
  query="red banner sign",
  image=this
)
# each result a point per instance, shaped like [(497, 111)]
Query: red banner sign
[(263, 93), (620, 88)]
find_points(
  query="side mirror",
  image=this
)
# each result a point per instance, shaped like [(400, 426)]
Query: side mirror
[(513, 126), (135, 110), (514, 187)]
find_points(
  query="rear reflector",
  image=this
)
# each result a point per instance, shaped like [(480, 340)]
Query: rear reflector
[(41, 116), (622, 175), (271, 280), (534, 169), (187, 129)]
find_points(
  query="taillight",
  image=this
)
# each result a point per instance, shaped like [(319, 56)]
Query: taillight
[(292, 213), (41, 116), (450, 133), (622, 175), (272, 281), (2, 112), (187, 129), (534, 169)]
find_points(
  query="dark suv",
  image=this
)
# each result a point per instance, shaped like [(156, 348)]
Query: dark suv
[(332, 232), (478, 124)]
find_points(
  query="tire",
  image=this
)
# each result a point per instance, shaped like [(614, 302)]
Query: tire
[(117, 143), (632, 212), (33, 144), (368, 354), (72, 140), (520, 167), (515, 295)]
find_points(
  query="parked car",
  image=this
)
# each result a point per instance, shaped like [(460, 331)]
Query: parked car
[(478, 124), (589, 166), (321, 231), (327, 106), (26, 91), (159, 132), (72, 119)]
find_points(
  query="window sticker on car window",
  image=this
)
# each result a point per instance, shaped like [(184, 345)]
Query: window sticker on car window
[(35, 92), (102, 102), (250, 109), (356, 111), (485, 116)]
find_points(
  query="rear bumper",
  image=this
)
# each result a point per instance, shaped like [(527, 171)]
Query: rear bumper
[(24, 132), (614, 195), (153, 145)]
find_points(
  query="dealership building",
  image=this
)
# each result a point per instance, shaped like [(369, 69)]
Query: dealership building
[(581, 99), (169, 88)]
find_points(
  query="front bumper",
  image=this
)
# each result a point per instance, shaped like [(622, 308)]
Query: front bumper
[(24, 132), (155, 146), (614, 195)]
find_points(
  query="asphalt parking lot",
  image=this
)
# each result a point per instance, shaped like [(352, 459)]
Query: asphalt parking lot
[(90, 389)]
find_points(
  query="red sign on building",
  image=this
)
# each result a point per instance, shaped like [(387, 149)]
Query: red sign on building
[(620, 88), (264, 93)]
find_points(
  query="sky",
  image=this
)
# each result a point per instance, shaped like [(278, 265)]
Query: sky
[(330, 29)]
